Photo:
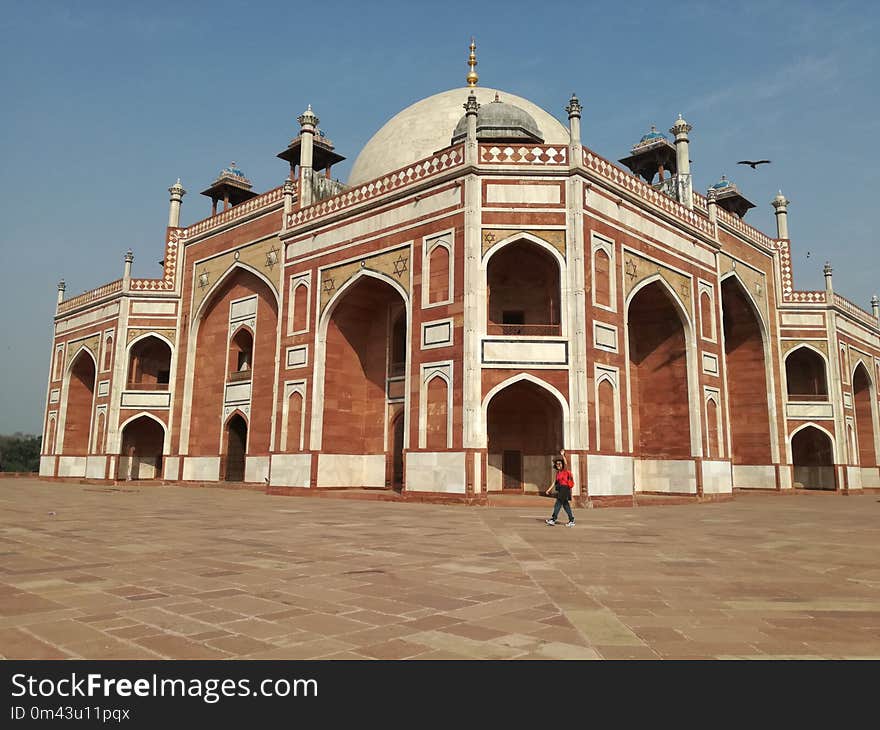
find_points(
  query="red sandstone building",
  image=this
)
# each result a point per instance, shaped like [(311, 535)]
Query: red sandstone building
[(483, 292)]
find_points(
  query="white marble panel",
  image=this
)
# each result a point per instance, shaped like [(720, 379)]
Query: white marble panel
[(141, 467), (243, 309), (675, 476), (803, 320), (72, 466), (710, 363), (96, 467), (808, 411), (95, 315), (609, 475), (437, 334), (47, 466), (201, 468), (297, 357), (847, 399), (152, 308), (716, 477), (144, 399), (291, 470), (853, 329), (547, 194), (256, 468), (605, 336), (392, 218), (854, 477), (103, 388), (494, 479), (870, 477), (748, 476), (238, 393), (171, 468), (54, 395), (524, 352), (351, 470), (785, 478), (442, 471)]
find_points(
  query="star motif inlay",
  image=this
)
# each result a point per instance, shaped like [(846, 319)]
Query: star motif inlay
[(630, 270), (329, 285), (489, 238), (271, 258), (400, 266), (203, 279)]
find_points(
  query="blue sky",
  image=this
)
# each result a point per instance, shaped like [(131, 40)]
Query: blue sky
[(105, 104)]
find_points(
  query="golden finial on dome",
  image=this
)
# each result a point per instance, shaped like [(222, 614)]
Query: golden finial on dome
[(472, 77)]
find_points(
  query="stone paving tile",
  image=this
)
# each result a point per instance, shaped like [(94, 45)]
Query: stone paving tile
[(186, 573)]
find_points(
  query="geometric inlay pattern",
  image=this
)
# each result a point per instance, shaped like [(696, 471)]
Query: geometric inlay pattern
[(394, 263)]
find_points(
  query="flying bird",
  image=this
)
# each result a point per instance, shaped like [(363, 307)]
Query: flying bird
[(753, 163)]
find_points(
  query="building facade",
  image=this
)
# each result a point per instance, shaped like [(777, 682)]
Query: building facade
[(482, 293)]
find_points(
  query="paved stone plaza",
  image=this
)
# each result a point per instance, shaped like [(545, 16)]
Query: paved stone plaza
[(106, 572)]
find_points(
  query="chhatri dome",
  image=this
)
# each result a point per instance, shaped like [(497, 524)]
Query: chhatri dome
[(431, 124)]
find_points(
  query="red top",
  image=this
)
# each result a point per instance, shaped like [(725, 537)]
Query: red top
[(565, 478)]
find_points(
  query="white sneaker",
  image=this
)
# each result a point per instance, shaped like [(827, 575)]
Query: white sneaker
[(570, 523), (550, 521)]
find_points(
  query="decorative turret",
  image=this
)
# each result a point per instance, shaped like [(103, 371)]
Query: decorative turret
[(177, 193), (323, 155), (288, 191), (875, 306), (652, 156), (126, 269), (728, 196), (683, 161), (62, 287), (231, 186), (781, 205), (829, 286), (712, 205)]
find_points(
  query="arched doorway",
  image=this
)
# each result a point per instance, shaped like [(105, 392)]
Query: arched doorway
[(863, 401), (522, 281), (746, 377), (364, 371), (658, 371), (525, 431), (143, 440), (805, 375), (149, 364), (233, 363), (236, 448), (812, 454), (80, 398)]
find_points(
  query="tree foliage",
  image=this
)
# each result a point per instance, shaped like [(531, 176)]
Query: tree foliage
[(20, 452)]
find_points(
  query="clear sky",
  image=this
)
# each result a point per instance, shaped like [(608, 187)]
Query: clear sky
[(106, 104)]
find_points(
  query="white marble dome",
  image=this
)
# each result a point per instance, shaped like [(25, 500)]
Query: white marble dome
[(427, 126)]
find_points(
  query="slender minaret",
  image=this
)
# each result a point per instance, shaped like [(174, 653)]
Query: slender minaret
[(308, 123), (177, 193), (574, 110), (875, 306), (62, 286), (471, 108), (126, 271), (683, 161), (781, 205), (829, 286), (712, 205)]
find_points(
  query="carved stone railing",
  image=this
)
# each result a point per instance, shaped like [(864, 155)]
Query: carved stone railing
[(241, 210), (534, 154), (325, 187), (147, 386), (415, 172), (807, 397), (239, 376), (524, 330), (854, 310), (612, 173), (102, 292)]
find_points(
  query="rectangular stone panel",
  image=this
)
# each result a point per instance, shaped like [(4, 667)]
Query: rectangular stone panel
[(351, 470), (519, 194), (803, 320), (238, 393), (297, 357), (605, 336), (435, 472), (243, 309), (716, 477), (807, 411), (525, 352), (710, 364), (171, 467), (201, 468), (870, 477), (96, 467), (665, 475), (47, 466), (291, 470), (609, 475), (72, 466), (152, 307), (256, 468), (748, 476), (436, 334), (137, 399)]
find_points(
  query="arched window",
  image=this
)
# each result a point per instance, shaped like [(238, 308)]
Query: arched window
[(605, 438), (712, 447), (108, 353), (805, 375), (294, 422), (241, 354), (149, 364), (706, 324), (301, 308), (397, 359), (813, 459), (602, 283), (437, 414), (523, 288), (438, 275)]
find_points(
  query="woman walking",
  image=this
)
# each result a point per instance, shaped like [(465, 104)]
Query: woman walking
[(563, 483)]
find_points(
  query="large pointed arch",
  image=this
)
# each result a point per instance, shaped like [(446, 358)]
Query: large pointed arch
[(814, 461), (316, 432), (74, 426), (563, 403), (692, 375), (866, 416), (143, 443)]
